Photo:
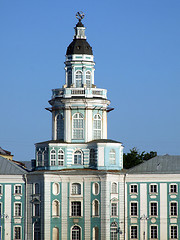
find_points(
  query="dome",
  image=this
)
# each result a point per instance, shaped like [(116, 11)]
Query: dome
[(79, 46)]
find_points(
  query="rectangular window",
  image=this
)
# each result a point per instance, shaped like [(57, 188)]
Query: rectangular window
[(18, 189), (153, 209), (173, 208), (174, 232), (114, 209), (17, 211), (153, 188), (0, 209), (133, 232), (133, 209), (36, 210), (75, 208), (173, 188), (154, 232), (17, 233), (133, 188), (1, 190)]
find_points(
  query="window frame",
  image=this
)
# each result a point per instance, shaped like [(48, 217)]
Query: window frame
[(76, 189), (80, 232), (153, 209), (114, 188), (173, 210), (1, 189), (88, 73), (77, 153), (53, 157), (76, 210), (133, 209), (112, 157), (58, 188), (153, 235), (94, 188), (114, 209), (55, 208), (16, 191), (152, 185), (36, 209), (134, 233), (113, 231), (131, 188), (35, 192), (78, 126), (95, 208), (14, 232), (59, 126), (20, 210), (97, 126), (171, 188), (61, 157), (171, 233), (79, 78)]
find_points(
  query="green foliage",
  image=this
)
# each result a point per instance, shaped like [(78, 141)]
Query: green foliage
[(134, 157)]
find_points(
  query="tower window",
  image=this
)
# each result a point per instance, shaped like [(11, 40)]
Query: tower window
[(88, 79), (112, 157), (114, 187), (97, 126), (78, 79), (60, 127), (69, 78), (53, 157), (39, 158), (45, 157), (76, 233), (92, 157), (36, 188), (78, 157), (60, 157), (76, 189), (78, 126)]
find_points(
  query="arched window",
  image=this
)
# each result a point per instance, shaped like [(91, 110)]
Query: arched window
[(112, 157), (95, 233), (39, 158), (78, 157), (55, 233), (76, 189), (95, 210), (60, 127), (53, 157), (45, 157), (55, 208), (97, 126), (55, 188), (78, 79), (95, 188), (92, 157), (37, 231), (114, 233), (76, 233), (88, 79), (69, 78), (60, 157), (78, 126), (114, 187), (36, 188)]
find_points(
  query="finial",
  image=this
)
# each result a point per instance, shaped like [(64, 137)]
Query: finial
[(80, 15)]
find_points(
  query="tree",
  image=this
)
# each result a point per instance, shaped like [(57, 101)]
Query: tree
[(134, 157)]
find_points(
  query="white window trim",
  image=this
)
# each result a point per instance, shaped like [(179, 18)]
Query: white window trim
[(150, 209), (173, 216), (14, 210), (56, 216), (153, 225), (34, 214), (14, 231), (117, 210), (18, 185), (82, 160), (137, 231), (97, 129), (130, 188), (54, 160), (58, 188), (60, 154), (172, 225), (130, 208), (78, 70), (116, 188), (152, 184), (93, 188), (80, 230), (83, 129), (171, 184), (93, 208), (75, 200)]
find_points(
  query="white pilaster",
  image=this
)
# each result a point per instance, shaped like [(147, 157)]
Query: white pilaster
[(88, 125), (143, 211), (87, 210), (64, 222), (67, 125), (7, 212), (104, 126), (47, 209), (163, 211)]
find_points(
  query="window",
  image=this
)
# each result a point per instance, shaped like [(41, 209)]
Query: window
[(55, 233), (69, 78), (173, 188), (37, 232), (114, 188), (113, 233), (17, 232), (36, 188), (133, 209), (39, 158), (60, 127), (95, 233), (55, 188), (53, 157), (154, 232), (17, 189), (97, 126), (95, 210), (76, 233), (112, 157), (78, 157), (174, 234), (173, 208), (114, 209), (133, 188), (17, 210), (153, 209), (76, 189), (0, 210), (92, 157), (95, 188), (55, 208), (88, 79), (76, 209), (1, 189), (36, 209), (78, 126), (153, 188), (133, 232), (60, 157), (45, 156), (78, 79)]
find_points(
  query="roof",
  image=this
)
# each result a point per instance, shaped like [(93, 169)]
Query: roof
[(27, 165), (160, 164), (8, 167), (4, 152), (79, 46), (93, 141)]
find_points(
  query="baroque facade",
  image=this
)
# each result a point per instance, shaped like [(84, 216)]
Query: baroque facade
[(77, 188)]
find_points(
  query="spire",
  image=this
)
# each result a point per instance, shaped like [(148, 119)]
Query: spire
[(79, 29)]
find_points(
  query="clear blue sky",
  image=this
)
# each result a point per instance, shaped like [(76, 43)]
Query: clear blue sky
[(136, 44)]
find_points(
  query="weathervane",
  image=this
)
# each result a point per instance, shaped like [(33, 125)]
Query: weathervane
[(80, 15)]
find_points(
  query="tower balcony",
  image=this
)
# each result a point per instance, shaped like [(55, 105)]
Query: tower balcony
[(79, 92)]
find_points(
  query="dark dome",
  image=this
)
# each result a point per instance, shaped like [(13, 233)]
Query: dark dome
[(79, 46), (79, 24)]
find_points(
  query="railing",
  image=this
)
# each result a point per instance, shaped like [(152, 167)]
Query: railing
[(77, 92)]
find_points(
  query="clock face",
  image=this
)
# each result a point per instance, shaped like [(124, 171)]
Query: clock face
[(80, 15)]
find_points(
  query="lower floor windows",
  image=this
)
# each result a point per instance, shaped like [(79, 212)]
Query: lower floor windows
[(76, 233), (174, 234), (133, 232), (37, 232), (17, 232), (154, 232), (153, 209), (114, 209), (95, 233), (114, 232), (55, 233), (76, 208)]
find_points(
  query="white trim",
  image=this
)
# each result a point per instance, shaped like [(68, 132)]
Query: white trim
[(14, 232)]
